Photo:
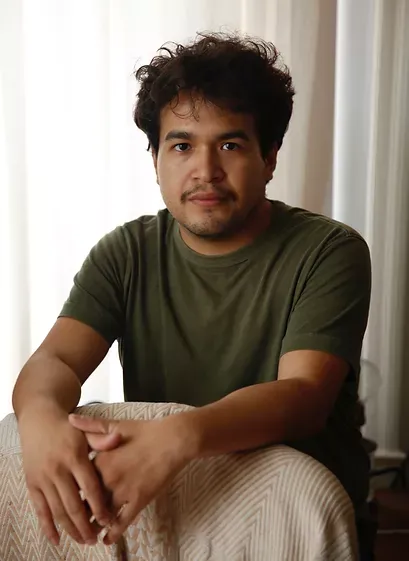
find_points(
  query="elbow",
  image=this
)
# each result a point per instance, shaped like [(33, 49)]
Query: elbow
[(16, 388), (311, 427), (319, 425), (317, 412), (312, 423), (317, 418)]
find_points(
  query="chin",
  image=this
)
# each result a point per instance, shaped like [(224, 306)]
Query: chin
[(215, 230)]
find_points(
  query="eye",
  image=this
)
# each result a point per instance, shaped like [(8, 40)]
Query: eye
[(181, 147), (230, 146)]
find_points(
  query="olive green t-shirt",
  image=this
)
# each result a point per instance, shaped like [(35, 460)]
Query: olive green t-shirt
[(193, 328)]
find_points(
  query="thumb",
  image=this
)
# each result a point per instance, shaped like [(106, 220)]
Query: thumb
[(89, 424), (103, 442)]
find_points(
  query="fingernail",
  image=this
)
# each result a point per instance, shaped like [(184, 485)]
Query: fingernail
[(104, 522), (90, 542)]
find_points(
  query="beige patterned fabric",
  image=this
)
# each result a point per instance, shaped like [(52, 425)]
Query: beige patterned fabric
[(275, 504)]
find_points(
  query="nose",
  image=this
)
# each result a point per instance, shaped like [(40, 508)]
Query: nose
[(207, 167)]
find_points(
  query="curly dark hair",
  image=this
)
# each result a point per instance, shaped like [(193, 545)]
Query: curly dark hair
[(242, 74)]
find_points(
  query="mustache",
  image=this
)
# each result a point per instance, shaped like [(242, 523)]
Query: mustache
[(221, 191)]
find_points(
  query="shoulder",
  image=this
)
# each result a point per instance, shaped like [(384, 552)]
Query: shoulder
[(146, 226), (312, 246), (121, 250), (138, 233), (304, 221), (315, 233)]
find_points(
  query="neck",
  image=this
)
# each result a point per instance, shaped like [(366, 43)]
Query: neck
[(258, 222)]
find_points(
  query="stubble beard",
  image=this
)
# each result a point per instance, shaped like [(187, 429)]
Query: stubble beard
[(214, 228)]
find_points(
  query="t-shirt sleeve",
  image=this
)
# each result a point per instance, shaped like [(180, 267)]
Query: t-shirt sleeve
[(331, 312), (98, 295)]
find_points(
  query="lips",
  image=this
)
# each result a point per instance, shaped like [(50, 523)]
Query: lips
[(207, 199)]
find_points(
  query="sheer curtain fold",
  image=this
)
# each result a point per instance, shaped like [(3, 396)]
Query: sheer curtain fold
[(15, 296), (73, 165), (370, 188)]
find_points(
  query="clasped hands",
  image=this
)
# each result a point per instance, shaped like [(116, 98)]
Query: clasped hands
[(136, 460)]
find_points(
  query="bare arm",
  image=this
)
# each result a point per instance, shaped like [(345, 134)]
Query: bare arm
[(153, 452), (55, 456), (54, 374), (295, 406)]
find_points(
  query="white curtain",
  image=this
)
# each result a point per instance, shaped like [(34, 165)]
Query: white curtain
[(73, 165)]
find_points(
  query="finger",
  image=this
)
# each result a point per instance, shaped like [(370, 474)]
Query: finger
[(45, 516), (88, 424), (103, 442), (59, 513), (95, 495), (127, 514), (74, 509), (95, 525)]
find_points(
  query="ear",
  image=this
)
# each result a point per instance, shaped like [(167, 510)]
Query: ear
[(155, 164), (271, 162)]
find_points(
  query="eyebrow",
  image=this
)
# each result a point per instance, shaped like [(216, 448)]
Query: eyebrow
[(228, 135)]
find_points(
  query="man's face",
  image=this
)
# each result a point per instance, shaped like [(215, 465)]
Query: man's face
[(210, 168)]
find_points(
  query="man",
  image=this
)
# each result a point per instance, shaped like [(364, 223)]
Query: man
[(244, 307)]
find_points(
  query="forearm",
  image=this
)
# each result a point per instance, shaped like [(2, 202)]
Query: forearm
[(46, 382), (255, 416)]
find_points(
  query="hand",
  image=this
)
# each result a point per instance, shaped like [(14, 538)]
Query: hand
[(56, 465), (149, 456)]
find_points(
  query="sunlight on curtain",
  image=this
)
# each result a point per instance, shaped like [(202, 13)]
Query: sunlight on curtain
[(8, 329), (370, 190), (73, 164), (77, 164)]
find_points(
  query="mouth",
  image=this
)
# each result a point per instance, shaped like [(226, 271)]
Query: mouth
[(207, 199)]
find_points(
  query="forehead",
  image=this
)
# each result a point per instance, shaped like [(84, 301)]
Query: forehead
[(200, 116)]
